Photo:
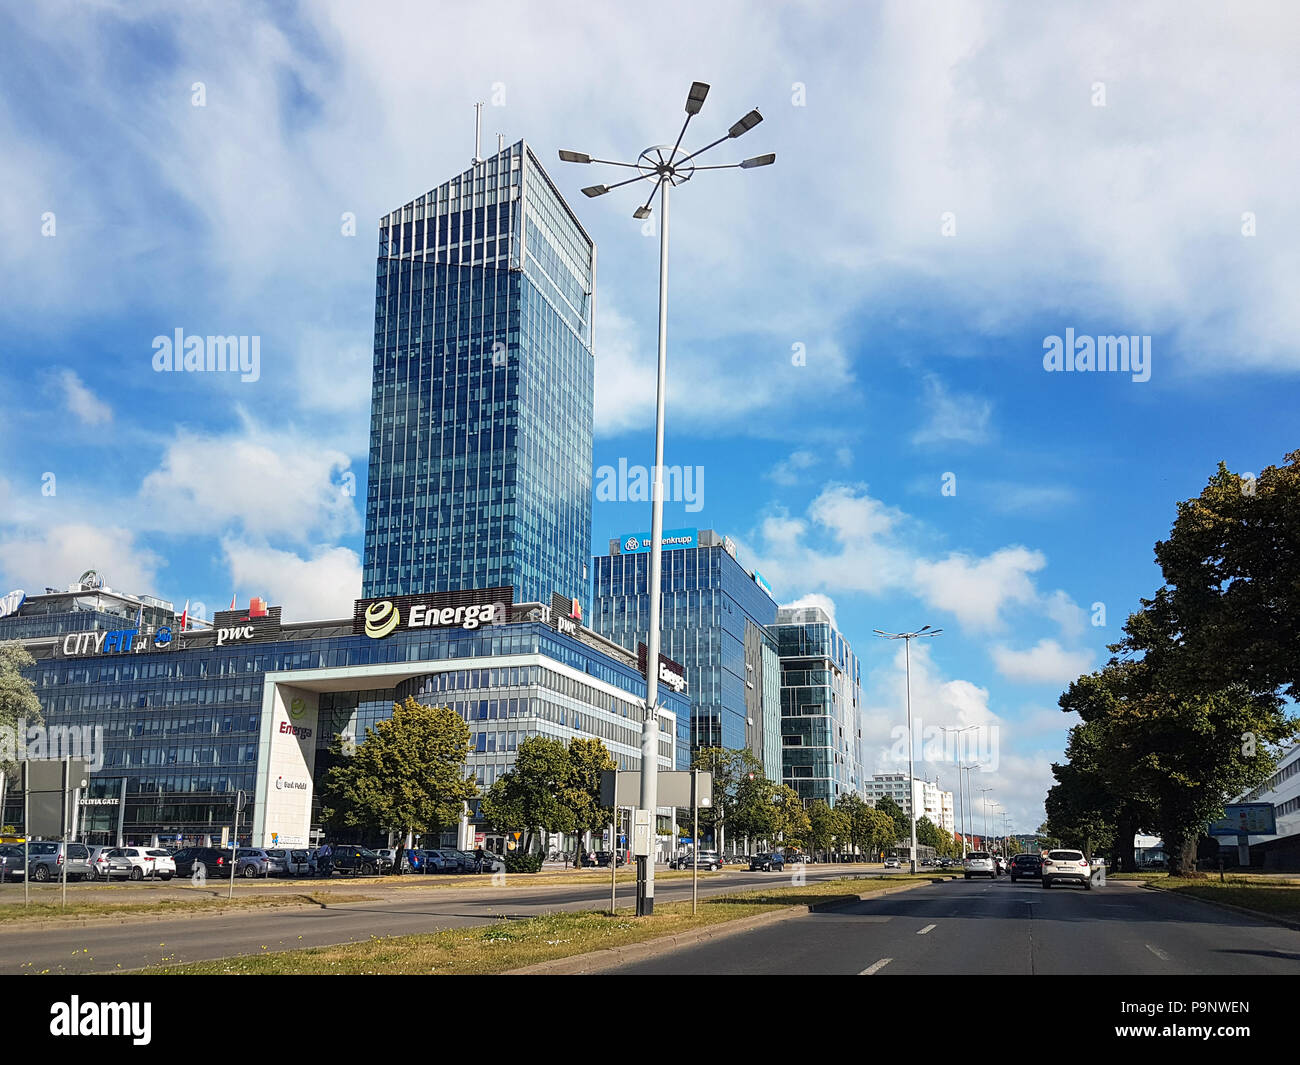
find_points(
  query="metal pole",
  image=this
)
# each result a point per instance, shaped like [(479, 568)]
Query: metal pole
[(27, 836), (650, 727), (67, 779), (613, 855), (234, 846), (121, 813), (911, 783), (695, 842)]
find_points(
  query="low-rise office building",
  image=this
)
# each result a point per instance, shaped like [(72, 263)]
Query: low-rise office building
[(185, 720)]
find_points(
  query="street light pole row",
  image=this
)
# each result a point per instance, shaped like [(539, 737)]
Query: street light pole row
[(667, 167)]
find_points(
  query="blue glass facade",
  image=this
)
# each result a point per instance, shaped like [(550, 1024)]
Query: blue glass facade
[(481, 408), (710, 605), (821, 706), (182, 727)]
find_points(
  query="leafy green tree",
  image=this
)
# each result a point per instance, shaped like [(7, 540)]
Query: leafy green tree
[(902, 822), (1228, 614), (534, 796), (793, 824), (827, 826), (588, 758), (754, 812), (408, 775), (729, 767), (18, 699)]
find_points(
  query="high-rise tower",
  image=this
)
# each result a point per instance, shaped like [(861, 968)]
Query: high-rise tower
[(481, 406)]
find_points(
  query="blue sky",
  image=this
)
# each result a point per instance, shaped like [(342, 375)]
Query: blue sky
[(953, 185)]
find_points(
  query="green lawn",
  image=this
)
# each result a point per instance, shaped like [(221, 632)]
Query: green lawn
[(509, 945), (76, 909), (1271, 896)]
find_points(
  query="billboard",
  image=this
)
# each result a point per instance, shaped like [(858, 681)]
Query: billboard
[(468, 609), (671, 673), (673, 539), (1245, 819)]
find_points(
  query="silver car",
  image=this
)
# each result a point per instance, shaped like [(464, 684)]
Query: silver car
[(254, 861), (48, 860), (297, 860), (107, 863)]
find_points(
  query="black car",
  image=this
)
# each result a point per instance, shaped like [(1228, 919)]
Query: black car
[(11, 863), (1030, 865), (215, 862), (359, 861)]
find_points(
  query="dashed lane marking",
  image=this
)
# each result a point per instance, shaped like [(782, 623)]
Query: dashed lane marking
[(871, 970)]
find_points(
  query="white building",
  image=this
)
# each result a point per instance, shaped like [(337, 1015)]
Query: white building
[(930, 800), (1282, 789)]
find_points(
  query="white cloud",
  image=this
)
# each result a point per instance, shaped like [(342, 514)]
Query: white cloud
[(788, 471), (960, 419), (1047, 662), (266, 484), (976, 590), (59, 553), (824, 601), (82, 402), (319, 587)]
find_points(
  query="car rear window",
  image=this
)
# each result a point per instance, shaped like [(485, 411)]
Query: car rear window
[(978, 854), (1066, 856), (158, 854)]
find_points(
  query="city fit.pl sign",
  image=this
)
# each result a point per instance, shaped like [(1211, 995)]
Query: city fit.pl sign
[(378, 618)]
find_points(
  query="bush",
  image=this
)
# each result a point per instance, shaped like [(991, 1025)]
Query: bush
[(518, 862)]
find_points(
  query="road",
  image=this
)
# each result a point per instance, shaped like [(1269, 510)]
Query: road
[(398, 911), (993, 928)]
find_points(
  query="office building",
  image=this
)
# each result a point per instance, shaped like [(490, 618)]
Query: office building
[(185, 720), (821, 706), (481, 408), (931, 801), (714, 622)]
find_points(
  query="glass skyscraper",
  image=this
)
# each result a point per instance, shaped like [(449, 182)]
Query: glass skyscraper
[(821, 706), (714, 623), (481, 406)]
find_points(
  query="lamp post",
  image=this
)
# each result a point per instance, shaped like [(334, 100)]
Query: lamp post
[(907, 638), (960, 804), (970, 802), (985, 803), (667, 167)]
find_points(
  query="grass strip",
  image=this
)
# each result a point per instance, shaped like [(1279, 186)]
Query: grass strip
[(1268, 896), (512, 944), (165, 908)]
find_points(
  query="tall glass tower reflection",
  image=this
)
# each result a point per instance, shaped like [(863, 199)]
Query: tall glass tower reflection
[(481, 406)]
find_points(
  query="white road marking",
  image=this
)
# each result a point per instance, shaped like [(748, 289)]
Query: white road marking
[(927, 928), (1157, 952), (873, 969)]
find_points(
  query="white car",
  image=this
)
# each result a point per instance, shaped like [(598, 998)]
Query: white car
[(1067, 867), (980, 863), (143, 861), (164, 865), (891, 863)]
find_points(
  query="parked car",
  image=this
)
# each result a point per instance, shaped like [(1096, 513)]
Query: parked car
[(47, 860), (892, 863), (388, 859), (256, 861), (767, 863), (214, 861), (11, 862), (709, 860), (359, 861), (1027, 865), (980, 863), (1062, 867), (297, 861), (491, 862)]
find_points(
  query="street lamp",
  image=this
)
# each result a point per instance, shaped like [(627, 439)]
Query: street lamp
[(907, 638), (667, 167), (960, 804), (969, 805), (985, 803)]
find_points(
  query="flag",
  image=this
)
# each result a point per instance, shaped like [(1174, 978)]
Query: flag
[(185, 615), (139, 617), (232, 602)]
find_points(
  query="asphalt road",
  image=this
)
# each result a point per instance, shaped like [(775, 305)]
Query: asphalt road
[(988, 928), (404, 911)]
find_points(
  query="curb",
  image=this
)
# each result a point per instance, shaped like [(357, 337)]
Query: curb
[(1267, 918), (598, 960)]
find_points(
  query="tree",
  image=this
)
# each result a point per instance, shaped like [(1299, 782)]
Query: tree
[(793, 824), (532, 797), (729, 767), (588, 758), (1229, 612), (408, 775), (827, 826), (902, 822), (753, 810), (18, 701)]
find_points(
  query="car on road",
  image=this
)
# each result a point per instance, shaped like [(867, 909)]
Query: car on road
[(297, 860), (892, 863), (214, 861), (47, 861), (1067, 867), (359, 861), (1002, 864), (255, 861), (767, 863), (11, 862), (1027, 865), (980, 863), (709, 860)]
